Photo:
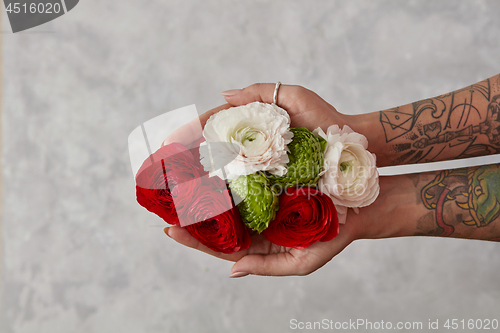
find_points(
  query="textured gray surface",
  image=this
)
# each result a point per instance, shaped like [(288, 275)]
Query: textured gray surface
[(80, 255)]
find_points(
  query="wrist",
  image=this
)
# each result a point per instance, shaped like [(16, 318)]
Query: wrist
[(388, 216), (369, 125)]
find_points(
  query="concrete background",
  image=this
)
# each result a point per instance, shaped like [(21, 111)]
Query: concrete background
[(80, 255)]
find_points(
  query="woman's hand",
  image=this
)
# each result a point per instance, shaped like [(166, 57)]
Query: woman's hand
[(306, 109), (266, 258)]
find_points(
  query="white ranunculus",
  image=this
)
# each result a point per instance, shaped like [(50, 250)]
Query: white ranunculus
[(247, 139), (350, 176)]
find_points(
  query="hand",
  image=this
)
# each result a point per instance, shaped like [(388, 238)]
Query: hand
[(379, 220), (266, 258), (306, 109)]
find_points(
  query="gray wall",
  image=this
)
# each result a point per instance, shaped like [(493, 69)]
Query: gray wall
[(80, 255)]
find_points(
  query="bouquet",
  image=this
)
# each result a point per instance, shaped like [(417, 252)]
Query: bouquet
[(253, 173)]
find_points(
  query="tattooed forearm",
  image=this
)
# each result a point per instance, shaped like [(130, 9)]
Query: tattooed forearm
[(461, 124), (461, 202)]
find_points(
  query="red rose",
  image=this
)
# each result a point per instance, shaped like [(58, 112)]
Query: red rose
[(169, 175), (221, 228), (305, 216)]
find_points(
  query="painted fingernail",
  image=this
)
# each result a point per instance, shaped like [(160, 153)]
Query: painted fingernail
[(166, 231), (238, 274), (229, 93)]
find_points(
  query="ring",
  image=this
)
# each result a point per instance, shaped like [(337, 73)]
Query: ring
[(275, 97)]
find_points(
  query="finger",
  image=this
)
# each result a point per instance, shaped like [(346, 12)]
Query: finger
[(182, 236), (264, 92), (276, 264), (294, 262), (191, 132)]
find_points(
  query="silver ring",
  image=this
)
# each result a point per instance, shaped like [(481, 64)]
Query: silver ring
[(275, 97)]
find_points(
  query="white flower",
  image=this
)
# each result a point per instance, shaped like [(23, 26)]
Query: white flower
[(247, 139), (350, 175)]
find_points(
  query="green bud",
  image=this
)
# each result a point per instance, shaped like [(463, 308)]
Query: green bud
[(306, 160), (259, 201)]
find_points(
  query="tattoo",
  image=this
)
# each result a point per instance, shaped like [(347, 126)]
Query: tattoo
[(427, 227), (453, 125), (415, 178), (475, 192)]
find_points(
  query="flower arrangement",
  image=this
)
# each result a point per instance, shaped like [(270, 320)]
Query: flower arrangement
[(256, 174)]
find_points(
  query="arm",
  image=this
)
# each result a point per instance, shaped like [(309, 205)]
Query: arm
[(460, 203), (464, 123), (456, 203)]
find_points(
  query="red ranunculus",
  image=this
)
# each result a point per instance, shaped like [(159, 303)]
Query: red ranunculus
[(169, 175), (305, 216), (221, 228)]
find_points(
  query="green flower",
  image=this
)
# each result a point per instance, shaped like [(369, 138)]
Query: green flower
[(260, 202), (306, 160)]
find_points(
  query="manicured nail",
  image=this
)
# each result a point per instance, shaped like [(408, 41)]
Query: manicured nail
[(238, 274), (166, 231), (229, 93)]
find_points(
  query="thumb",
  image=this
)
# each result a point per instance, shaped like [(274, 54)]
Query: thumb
[(190, 134), (277, 264)]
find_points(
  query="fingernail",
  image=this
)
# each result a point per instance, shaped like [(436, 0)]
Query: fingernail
[(238, 274), (229, 93), (166, 231)]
